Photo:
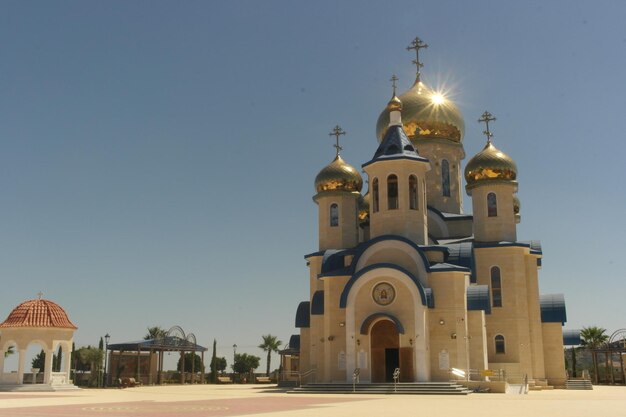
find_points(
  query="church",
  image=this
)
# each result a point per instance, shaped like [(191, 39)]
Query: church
[(404, 281)]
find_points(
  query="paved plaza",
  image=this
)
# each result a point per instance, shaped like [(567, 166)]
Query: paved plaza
[(239, 400)]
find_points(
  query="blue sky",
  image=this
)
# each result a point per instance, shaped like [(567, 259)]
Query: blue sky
[(157, 158)]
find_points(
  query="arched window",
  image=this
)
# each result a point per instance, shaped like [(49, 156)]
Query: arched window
[(334, 215), (392, 192), (500, 348), (492, 205), (496, 287), (413, 192), (445, 178), (375, 195)]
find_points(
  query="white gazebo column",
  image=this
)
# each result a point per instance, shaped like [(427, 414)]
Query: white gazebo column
[(67, 353), (1, 366), (47, 376), (20, 366)]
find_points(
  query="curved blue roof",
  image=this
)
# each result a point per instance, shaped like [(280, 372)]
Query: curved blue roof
[(343, 300), (294, 341), (572, 338), (462, 254), (553, 308), (478, 298), (303, 315), (317, 303), (366, 323)]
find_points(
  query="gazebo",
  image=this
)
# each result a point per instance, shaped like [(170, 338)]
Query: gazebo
[(43, 322), (151, 362)]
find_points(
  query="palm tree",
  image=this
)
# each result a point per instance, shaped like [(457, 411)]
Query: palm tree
[(270, 344), (593, 337), (156, 332), (10, 351)]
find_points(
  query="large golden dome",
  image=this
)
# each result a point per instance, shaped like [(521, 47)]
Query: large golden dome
[(490, 164), (425, 114), (338, 176)]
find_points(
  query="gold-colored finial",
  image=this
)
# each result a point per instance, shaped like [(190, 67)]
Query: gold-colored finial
[(486, 118), (393, 80), (416, 45), (336, 132)]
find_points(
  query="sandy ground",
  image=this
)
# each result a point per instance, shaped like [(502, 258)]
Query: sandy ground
[(235, 400)]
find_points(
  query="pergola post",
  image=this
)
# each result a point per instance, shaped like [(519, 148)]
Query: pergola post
[(202, 370), (150, 367), (182, 373), (138, 364)]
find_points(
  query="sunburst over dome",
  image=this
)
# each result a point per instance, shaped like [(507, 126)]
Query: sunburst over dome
[(425, 114), (490, 164), (338, 176)]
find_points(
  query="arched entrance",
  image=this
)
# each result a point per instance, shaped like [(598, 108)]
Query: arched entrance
[(385, 345)]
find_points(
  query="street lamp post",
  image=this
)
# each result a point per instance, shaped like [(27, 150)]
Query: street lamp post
[(107, 337), (234, 354)]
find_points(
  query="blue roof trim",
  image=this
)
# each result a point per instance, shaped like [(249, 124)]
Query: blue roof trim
[(303, 315), (572, 338), (450, 216), (366, 323), (553, 308), (333, 259), (394, 158), (294, 341), (446, 267), (430, 297), (343, 300), (358, 251), (317, 304), (462, 254), (533, 245), (478, 298), (396, 144)]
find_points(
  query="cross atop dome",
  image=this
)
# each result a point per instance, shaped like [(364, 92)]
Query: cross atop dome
[(336, 132), (393, 80), (416, 45), (486, 118)]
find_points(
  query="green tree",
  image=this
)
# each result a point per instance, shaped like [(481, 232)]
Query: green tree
[(155, 332), (270, 344), (214, 363), (245, 363), (92, 359), (219, 363), (198, 366), (593, 337), (39, 361)]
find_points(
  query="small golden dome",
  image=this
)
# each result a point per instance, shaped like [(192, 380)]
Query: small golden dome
[(338, 176), (425, 114), (364, 207), (490, 164), (395, 104)]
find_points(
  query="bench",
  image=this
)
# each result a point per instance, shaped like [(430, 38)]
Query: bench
[(128, 382), (224, 380), (263, 380)]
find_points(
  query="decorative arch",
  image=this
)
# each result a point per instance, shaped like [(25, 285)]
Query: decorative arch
[(367, 323)]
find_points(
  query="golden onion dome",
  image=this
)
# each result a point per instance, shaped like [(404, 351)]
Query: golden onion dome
[(395, 104), (364, 207), (338, 176), (425, 114), (490, 164)]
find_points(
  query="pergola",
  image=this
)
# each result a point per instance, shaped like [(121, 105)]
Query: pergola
[(175, 340), (613, 350)]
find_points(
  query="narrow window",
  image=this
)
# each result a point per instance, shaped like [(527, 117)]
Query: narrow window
[(413, 192), (375, 195), (445, 178), (492, 205), (500, 344), (334, 215), (496, 287), (392, 192)]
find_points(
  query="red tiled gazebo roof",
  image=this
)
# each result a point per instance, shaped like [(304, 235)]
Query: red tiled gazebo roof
[(38, 313)]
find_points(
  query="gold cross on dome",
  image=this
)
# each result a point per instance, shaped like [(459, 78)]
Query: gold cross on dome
[(336, 132), (486, 118), (416, 45), (393, 83)]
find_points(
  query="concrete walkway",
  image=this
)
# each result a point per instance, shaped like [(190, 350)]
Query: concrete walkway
[(237, 400)]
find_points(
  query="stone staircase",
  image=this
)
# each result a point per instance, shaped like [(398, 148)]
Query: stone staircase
[(578, 384), (414, 388), (37, 388)]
